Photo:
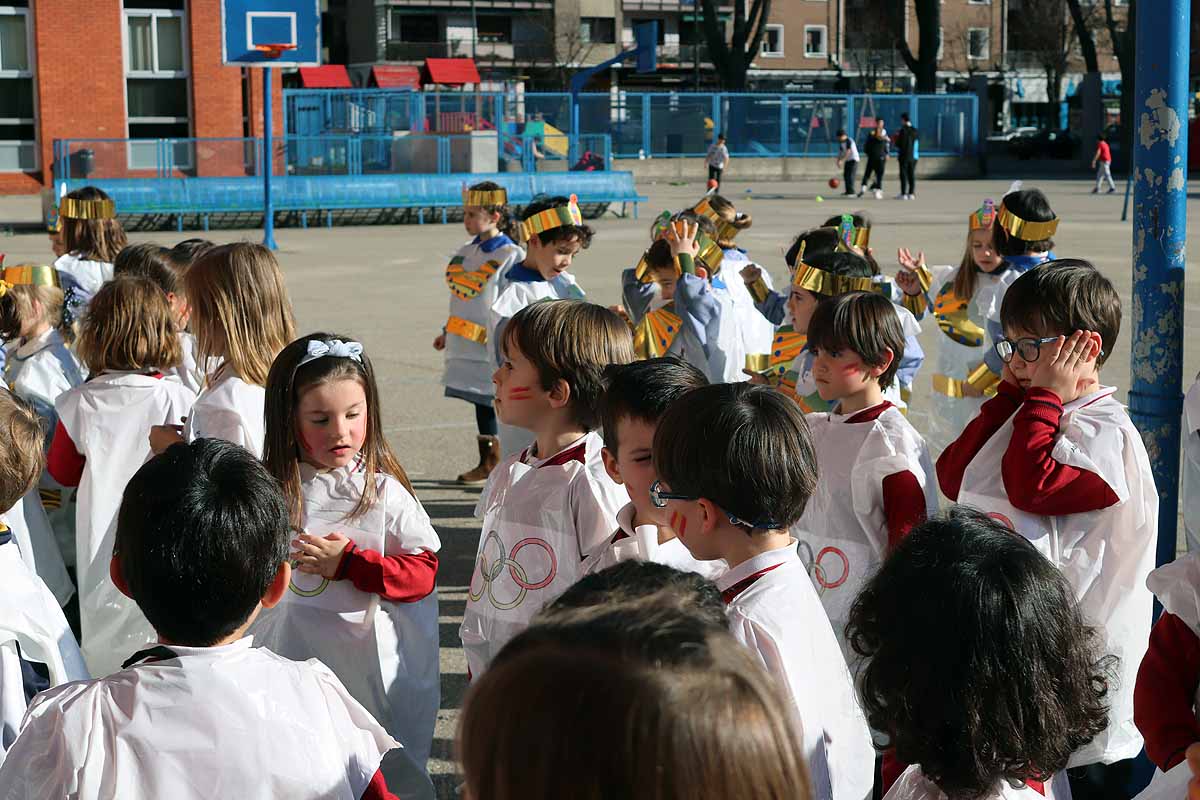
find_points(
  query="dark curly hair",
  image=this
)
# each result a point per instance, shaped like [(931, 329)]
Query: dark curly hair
[(582, 233), (975, 660)]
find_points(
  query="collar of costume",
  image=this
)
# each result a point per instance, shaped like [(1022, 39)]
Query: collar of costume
[(523, 274), (552, 218), (485, 197), (1026, 263), (655, 334), (984, 216), (726, 231), (1023, 229), (819, 281), (73, 208), (494, 243), (29, 275)]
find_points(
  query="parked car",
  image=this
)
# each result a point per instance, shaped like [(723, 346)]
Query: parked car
[(1045, 143), (1012, 133)]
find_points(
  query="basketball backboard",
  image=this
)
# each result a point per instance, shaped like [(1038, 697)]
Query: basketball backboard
[(248, 25)]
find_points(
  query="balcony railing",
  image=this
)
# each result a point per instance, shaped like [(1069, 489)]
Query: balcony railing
[(461, 48)]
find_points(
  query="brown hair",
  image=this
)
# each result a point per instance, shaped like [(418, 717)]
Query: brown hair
[(16, 307), (729, 213), (151, 261), (93, 239), (967, 277), (22, 457), (240, 308), (574, 341), (659, 256), (864, 323), (505, 224), (286, 383), (1060, 297), (128, 326)]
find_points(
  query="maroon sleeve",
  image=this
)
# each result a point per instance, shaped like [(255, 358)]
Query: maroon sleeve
[(377, 789), (1165, 692), (64, 463), (399, 578), (953, 461), (903, 505), (892, 769), (1033, 480)]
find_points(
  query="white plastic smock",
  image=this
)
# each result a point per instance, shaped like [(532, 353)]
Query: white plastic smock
[(1191, 467), (913, 785), (1176, 584), (39, 548), (41, 369), (1106, 555), (83, 274), (756, 330), (109, 419), (843, 533), (1171, 785), (726, 349), (227, 721), (543, 520), (189, 371), (385, 653), (640, 543), (229, 408)]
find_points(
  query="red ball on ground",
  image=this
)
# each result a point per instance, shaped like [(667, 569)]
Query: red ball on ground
[(834, 183), (712, 183)]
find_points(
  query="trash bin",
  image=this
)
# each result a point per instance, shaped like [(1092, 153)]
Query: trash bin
[(83, 163)]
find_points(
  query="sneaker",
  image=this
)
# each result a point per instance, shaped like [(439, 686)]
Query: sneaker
[(912, 197), (901, 197), (1095, 191), (1111, 191), (879, 194), (861, 191)]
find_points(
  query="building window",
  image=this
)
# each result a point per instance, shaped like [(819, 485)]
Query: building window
[(941, 42), (984, 2), (495, 29), (772, 42), (18, 139), (156, 84), (977, 43), (814, 41), (598, 30)]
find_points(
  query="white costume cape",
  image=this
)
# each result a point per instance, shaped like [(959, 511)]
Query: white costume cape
[(843, 533), (189, 372), (40, 370), (109, 419), (641, 544), (727, 353), (1106, 555), (543, 520), (87, 275), (385, 653), (913, 785), (1172, 785), (757, 332), (229, 409), (227, 721), (1191, 467), (39, 549), (779, 618)]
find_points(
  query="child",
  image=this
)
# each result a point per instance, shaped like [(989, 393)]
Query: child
[(635, 396), (128, 338), (550, 508), (469, 275), (736, 468), (242, 316), (770, 303), (1102, 163), (92, 237), (200, 546), (717, 159), (977, 664), (1055, 457), (362, 598), (876, 480), (37, 648), (965, 297), (847, 161), (638, 586)]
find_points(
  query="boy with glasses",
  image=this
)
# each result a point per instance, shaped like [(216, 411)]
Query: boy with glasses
[(1056, 458)]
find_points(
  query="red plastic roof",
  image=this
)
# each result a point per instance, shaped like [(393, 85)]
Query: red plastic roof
[(396, 77), (451, 71), (330, 76)]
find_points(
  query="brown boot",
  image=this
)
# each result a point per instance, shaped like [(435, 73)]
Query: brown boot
[(489, 457)]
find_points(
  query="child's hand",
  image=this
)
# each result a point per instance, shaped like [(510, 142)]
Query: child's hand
[(1065, 363), (682, 238), (750, 273), (908, 281), (755, 378), (163, 436), (907, 261), (439, 343), (319, 555)]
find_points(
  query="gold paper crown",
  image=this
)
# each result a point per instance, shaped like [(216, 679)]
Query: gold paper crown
[(1024, 229), (710, 253), (29, 275), (984, 216), (552, 218), (73, 208), (53, 220), (485, 197), (852, 236), (726, 231), (826, 283)]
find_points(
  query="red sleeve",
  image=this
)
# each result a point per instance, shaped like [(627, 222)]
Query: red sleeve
[(64, 463), (892, 769), (953, 461), (903, 505), (1166, 691), (399, 578), (1033, 480), (377, 789)]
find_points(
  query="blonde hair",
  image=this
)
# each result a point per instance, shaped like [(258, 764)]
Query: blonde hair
[(22, 457), (240, 308), (729, 214), (93, 239), (16, 308), (128, 326)]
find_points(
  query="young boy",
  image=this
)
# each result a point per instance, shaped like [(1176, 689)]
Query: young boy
[(847, 161), (635, 396), (1102, 163), (201, 546), (876, 479), (717, 159), (1055, 457), (736, 468), (550, 508), (37, 648)]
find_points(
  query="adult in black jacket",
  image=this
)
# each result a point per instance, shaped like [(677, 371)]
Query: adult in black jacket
[(906, 151), (876, 150)]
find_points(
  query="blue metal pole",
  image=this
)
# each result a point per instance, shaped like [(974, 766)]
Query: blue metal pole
[(268, 204), (1159, 242)]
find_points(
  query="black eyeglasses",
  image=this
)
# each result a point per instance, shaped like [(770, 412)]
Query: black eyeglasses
[(659, 498), (1029, 348)]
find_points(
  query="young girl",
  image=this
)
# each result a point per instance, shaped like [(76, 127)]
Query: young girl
[(977, 664), (92, 237), (475, 276), (241, 315), (362, 595), (127, 340)]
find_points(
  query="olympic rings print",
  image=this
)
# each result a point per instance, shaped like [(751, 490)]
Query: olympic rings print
[(490, 574), (324, 584), (819, 566)]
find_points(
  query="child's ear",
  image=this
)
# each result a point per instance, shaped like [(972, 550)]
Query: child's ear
[(560, 394), (885, 361), (533, 241), (1097, 342), (279, 585), (610, 465), (118, 579), (710, 515)]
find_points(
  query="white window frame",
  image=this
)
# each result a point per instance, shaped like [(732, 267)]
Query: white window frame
[(17, 11), (987, 50), (762, 51), (824, 29), (941, 51), (985, 2), (153, 14), (19, 144)]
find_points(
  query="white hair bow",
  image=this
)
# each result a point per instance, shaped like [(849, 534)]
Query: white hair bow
[(318, 348)]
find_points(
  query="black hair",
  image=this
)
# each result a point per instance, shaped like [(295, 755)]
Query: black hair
[(1032, 206), (904, 116), (977, 663), (188, 251), (639, 584), (148, 260), (581, 233), (201, 534), (840, 132), (505, 224), (813, 240), (746, 448), (1100, 137), (1060, 297), (842, 263), (643, 390), (659, 255), (864, 323)]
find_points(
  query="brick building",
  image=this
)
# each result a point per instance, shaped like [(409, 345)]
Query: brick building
[(145, 69)]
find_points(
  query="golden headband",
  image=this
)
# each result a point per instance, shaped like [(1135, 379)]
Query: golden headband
[(710, 253), (29, 275), (72, 208), (4, 287), (984, 216), (485, 197), (726, 231), (825, 283), (552, 218), (1023, 229)]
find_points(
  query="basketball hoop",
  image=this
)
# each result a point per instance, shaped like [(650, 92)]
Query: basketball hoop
[(273, 50)]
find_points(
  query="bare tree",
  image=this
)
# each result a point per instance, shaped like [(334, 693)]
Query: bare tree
[(1085, 23), (929, 39), (1124, 46), (870, 45), (732, 58), (1045, 34), (567, 47)]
